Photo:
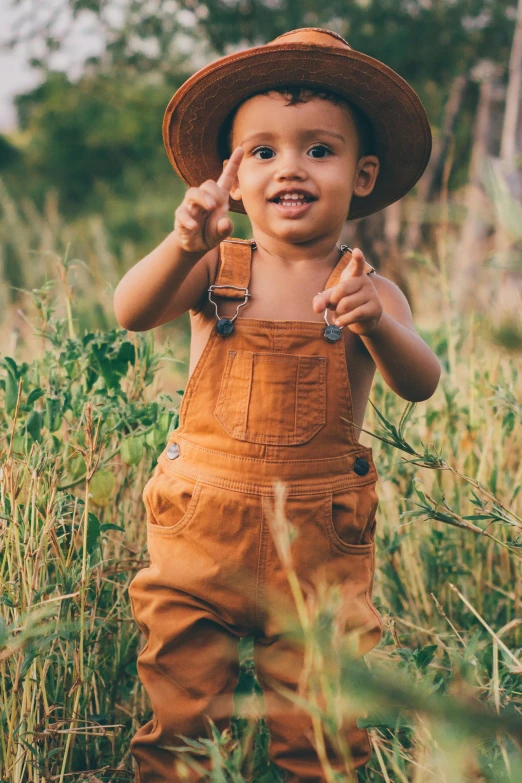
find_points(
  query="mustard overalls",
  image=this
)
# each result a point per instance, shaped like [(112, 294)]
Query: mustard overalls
[(264, 402)]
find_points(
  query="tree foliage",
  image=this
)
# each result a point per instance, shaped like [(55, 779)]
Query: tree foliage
[(97, 139), (424, 40)]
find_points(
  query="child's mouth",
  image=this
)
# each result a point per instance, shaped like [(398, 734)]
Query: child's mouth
[(292, 207)]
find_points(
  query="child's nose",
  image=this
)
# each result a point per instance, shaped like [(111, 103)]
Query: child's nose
[(291, 165)]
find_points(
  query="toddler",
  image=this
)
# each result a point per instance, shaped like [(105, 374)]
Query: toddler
[(288, 329)]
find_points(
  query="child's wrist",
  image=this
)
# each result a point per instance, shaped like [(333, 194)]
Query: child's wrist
[(189, 257)]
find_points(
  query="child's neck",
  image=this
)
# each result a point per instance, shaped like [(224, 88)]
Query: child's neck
[(321, 252)]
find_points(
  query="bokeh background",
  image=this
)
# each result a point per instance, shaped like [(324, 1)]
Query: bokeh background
[(86, 190), (82, 162)]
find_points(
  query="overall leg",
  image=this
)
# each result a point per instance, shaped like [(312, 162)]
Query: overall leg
[(189, 669), (293, 745), (280, 655), (192, 604)]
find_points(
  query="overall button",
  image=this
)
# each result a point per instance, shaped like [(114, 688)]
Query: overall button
[(332, 333), (173, 451), (224, 327), (361, 466)]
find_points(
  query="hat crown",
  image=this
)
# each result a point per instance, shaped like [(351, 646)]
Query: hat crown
[(317, 36)]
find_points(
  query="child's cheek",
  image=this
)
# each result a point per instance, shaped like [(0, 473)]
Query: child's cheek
[(254, 198)]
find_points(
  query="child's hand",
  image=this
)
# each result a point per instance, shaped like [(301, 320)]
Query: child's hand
[(201, 220), (354, 299)]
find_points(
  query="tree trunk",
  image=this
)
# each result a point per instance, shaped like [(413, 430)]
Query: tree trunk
[(478, 222), (396, 268), (511, 144), (430, 183), (507, 171)]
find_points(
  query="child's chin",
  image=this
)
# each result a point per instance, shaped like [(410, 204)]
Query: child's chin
[(294, 230)]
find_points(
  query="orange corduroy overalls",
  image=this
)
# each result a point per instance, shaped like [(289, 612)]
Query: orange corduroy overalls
[(264, 402)]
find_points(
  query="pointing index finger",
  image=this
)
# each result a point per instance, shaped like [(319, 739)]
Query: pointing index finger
[(355, 268), (229, 173)]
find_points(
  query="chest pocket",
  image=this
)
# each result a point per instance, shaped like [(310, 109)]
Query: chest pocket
[(272, 398)]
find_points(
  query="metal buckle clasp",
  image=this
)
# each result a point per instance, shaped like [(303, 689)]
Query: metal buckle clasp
[(225, 325)]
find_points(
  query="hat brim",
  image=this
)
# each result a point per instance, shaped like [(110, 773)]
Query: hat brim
[(402, 134)]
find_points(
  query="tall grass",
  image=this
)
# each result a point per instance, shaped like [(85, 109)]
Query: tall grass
[(84, 412)]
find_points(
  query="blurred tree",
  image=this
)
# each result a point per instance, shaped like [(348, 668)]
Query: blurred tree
[(425, 41), (511, 146), (496, 152), (96, 143), (97, 133), (9, 153)]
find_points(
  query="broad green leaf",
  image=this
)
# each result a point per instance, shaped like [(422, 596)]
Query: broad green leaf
[(132, 450), (101, 486)]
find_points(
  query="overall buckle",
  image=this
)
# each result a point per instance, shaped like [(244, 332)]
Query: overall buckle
[(225, 326)]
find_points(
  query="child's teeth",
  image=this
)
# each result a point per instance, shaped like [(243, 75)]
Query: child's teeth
[(292, 199)]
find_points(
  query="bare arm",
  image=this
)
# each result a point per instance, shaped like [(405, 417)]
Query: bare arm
[(174, 276), (405, 361), (162, 286)]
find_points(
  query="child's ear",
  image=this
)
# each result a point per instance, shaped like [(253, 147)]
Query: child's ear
[(235, 190), (367, 170)]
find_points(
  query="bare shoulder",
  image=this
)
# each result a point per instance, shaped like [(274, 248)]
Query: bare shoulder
[(209, 264), (213, 263), (201, 312), (393, 300)]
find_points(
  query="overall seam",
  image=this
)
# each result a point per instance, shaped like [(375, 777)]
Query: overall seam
[(343, 379), (261, 566), (223, 389), (189, 389), (318, 488), (296, 397), (358, 448), (243, 406)]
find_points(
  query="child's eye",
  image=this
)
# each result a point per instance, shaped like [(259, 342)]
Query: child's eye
[(323, 151), (262, 150)]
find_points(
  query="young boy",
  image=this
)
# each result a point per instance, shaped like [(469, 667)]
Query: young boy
[(300, 134)]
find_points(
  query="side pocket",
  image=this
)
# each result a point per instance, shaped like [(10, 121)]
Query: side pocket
[(377, 614), (352, 517), (134, 586), (170, 500)]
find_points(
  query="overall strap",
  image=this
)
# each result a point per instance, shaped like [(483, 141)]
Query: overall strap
[(235, 258), (342, 264)]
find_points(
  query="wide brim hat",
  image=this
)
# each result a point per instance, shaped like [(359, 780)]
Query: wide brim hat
[(308, 57)]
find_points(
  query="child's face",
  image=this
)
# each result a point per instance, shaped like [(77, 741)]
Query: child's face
[(309, 148)]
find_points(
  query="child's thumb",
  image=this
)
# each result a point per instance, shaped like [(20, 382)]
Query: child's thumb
[(321, 300), (224, 226)]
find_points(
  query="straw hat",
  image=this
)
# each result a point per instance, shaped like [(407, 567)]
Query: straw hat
[(309, 57)]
